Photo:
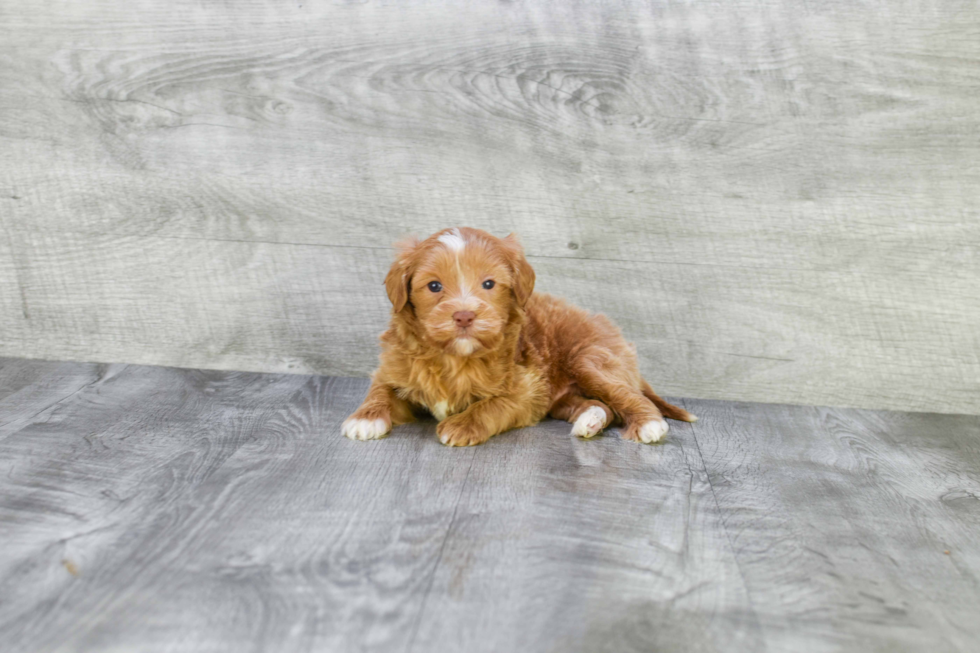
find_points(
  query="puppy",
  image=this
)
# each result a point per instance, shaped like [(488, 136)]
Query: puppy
[(472, 344)]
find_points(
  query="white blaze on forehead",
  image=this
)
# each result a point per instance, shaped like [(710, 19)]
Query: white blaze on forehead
[(453, 240)]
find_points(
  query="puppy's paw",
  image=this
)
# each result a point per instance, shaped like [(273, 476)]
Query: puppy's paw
[(589, 422), (357, 428), (650, 432), (458, 431)]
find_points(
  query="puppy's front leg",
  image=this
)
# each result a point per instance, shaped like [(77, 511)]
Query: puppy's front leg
[(484, 419), (380, 409)]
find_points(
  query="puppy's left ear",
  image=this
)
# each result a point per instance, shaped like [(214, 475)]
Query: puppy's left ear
[(523, 284), (399, 279)]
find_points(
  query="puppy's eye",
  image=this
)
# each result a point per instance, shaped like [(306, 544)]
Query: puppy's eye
[(488, 284), (435, 286)]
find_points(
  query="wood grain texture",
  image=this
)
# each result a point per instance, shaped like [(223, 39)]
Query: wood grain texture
[(30, 390), (161, 509), (562, 546), (850, 526), (777, 200), (163, 494)]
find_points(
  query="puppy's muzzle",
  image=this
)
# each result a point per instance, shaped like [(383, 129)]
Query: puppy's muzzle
[(463, 319)]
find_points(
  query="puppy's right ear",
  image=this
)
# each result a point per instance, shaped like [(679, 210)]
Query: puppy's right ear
[(400, 275), (523, 284)]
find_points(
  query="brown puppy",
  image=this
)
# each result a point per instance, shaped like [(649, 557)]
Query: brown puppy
[(472, 344)]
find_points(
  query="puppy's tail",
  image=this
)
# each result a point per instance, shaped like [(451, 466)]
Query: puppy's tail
[(668, 410)]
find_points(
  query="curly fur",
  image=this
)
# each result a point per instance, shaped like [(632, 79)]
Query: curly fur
[(525, 355)]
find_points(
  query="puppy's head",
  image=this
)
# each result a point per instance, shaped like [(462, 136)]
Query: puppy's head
[(463, 285)]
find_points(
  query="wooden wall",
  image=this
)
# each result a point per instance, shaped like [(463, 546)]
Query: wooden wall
[(778, 200)]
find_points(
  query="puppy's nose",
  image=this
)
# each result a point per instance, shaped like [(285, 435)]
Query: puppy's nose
[(464, 318)]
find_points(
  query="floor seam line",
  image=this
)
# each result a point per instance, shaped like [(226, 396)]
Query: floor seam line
[(728, 536), (442, 548), (30, 420)]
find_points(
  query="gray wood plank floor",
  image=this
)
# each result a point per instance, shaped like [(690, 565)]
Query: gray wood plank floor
[(160, 509)]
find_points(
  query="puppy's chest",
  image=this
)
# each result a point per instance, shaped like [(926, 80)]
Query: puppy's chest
[(446, 391)]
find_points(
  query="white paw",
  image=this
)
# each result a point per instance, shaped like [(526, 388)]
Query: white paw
[(365, 429), (654, 431), (590, 422)]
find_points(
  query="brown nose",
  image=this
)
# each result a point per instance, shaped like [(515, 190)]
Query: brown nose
[(464, 318)]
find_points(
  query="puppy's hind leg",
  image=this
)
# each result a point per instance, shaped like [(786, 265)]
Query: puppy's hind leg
[(668, 410), (587, 416), (643, 421)]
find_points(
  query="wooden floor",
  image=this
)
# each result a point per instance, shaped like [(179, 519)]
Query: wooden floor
[(158, 509)]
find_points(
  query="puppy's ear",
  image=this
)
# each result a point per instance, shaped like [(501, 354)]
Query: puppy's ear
[(400, 275), (523, 284)]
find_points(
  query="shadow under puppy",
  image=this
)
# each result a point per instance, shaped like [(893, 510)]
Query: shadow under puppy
[(472, 344)]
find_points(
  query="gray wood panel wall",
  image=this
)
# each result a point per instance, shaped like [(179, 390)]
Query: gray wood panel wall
[(777, 200)]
